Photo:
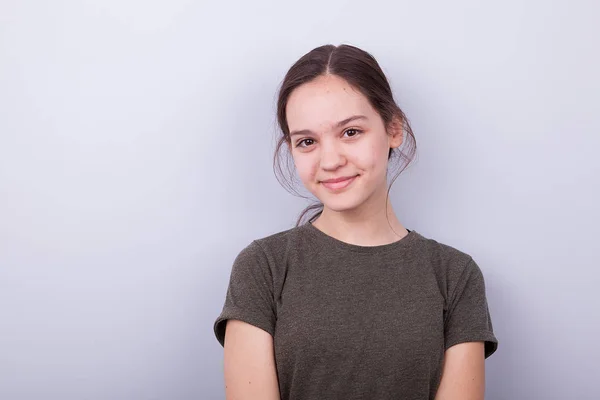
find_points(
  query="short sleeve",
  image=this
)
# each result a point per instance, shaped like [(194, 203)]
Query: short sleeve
[(249, 295), (468, 318)]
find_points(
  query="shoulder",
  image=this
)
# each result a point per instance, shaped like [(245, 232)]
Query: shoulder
[(281, 243), (279, 239), (273, 248), (441, 254), (449, 263), (267, 259)]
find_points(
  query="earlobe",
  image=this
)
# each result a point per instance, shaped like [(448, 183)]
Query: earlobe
[(396, 140), (396, 134)]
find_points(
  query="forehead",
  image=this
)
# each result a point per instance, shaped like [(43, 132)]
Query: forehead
[(323, 102)]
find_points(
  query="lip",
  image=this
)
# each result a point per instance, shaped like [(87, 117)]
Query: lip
[(338, 183)]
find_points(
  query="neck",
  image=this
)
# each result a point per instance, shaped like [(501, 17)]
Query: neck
[(374, 223)]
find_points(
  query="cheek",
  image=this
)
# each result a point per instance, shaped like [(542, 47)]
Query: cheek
[(305, 166), (373, 156)]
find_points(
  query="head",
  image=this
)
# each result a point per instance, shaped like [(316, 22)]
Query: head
[(342, 127)]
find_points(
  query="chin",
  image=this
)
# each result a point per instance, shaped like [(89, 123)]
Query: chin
[(341, 203)]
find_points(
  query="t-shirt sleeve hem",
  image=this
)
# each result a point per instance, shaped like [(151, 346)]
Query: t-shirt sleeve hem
[(221, 323), (490, 341)]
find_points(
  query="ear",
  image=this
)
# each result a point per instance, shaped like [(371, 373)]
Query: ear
[(395, 133)]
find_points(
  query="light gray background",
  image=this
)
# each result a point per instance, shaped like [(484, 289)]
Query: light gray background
[(135, 162)]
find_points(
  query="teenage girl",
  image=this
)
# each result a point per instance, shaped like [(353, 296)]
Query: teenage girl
[(350, 304)]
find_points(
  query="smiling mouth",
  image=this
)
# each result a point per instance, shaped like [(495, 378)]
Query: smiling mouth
[(338, 183)]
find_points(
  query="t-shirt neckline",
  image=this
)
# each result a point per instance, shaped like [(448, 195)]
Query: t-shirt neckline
[(405, 242)]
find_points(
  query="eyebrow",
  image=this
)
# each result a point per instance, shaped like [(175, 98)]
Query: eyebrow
[(338, 125)]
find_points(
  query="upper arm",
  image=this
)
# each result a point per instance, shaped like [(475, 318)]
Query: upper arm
[(467, 318), (463, 373), (468, 335), (249, 363), (246, 327)]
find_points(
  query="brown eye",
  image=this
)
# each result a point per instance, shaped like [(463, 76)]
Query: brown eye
[(305, 143), (351, 132)]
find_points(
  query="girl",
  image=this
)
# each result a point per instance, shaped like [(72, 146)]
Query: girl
[(351, 304)]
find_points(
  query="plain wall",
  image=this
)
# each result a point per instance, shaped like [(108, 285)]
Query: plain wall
[(136, 143)]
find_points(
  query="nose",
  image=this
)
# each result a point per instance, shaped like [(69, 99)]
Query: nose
[(332, 156)]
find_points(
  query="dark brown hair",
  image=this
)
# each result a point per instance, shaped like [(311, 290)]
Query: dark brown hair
[(360, 70)]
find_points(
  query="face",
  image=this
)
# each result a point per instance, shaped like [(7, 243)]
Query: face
[(339, 143)]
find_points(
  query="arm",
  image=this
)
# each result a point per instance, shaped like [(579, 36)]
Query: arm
[(249, 363), (463, 373)]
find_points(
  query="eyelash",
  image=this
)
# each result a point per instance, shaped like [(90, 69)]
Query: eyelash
[(358, 132)]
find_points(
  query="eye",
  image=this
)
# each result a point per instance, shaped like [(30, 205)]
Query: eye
[(352, 132), (305, 142)]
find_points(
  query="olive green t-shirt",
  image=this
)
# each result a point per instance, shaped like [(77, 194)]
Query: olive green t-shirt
[(358, 322)]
